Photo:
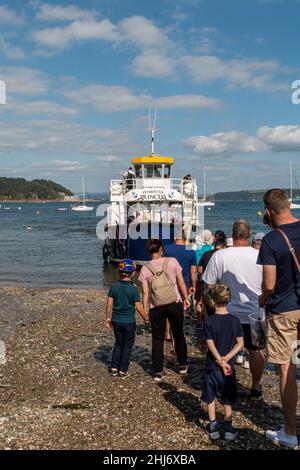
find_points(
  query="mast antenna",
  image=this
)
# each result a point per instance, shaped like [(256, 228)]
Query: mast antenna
[(152, 129)]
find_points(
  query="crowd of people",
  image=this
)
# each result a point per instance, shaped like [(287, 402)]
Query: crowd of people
[(229, 279)]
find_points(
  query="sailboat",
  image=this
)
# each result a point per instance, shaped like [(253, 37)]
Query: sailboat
[(82, 207), (293, 204), (206, 201)]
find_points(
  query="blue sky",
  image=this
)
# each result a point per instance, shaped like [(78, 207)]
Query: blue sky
[(81, 76)]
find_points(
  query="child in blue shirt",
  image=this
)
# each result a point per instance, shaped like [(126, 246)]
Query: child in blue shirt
[(123, 300), (224, 335)]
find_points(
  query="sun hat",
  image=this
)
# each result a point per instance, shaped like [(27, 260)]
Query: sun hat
[(207, 237), (258, 237)]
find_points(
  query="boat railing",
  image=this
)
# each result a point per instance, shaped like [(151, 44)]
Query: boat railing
[(122, 186)]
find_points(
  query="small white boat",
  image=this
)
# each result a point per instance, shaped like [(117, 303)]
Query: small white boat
[(82, 207), (62, 209), (294, 205), (206, 200), (7, 208)]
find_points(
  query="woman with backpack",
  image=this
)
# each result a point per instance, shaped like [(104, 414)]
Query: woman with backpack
[(163, 288)]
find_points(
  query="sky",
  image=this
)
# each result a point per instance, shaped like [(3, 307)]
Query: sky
[(81, 75)]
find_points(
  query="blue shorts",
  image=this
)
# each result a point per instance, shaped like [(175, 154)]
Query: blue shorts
[(216, 382)]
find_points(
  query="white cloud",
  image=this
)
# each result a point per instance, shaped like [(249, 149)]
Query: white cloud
[(108, 158), (108, 98), (138, 31), (119, 98), (281, 138), (10, 51), (223, 144), (243, 73), (50, 12), (143, 33), (154, 64), (38, 107), (24, 81), (56, 137), (188, 101), (9, 16), (59, 38), (60, 166)]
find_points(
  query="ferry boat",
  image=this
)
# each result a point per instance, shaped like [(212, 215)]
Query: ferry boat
[(150, 204)]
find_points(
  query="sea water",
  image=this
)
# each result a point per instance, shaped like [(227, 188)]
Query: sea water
[(62, 248)]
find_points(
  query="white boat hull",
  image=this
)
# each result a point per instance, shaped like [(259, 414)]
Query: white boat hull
[(207, 204), (295, 206), (82, 209)]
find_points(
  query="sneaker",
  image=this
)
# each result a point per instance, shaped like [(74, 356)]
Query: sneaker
[(255, 394), (212, 430), (158, 377), (124, 375), (113, 372), (239, 359), (230, 432), (246, 363), (183, 370), (280, 437)]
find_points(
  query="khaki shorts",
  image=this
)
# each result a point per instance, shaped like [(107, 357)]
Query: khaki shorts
[(283, 331)]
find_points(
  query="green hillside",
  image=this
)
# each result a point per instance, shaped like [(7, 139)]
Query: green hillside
[(20, 189)]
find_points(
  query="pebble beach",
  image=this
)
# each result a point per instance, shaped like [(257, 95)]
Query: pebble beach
[(56, 392)]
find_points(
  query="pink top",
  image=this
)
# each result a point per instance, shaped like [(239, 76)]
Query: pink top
[(173, 270)]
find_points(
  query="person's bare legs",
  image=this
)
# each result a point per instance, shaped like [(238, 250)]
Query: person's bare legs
[(289, 396), (228, 412), (257, 364), (211, 410)]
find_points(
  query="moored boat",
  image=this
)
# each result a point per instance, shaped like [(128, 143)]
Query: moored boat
[(149, 204)]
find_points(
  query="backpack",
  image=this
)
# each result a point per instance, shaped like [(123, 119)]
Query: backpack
[(162, 287)]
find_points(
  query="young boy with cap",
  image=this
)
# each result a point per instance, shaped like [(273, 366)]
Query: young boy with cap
[(123, 300), (224, 335)]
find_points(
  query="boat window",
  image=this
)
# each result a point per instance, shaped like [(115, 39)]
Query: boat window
[(138, 171), (167, 171), (157, 171), (148, 172)]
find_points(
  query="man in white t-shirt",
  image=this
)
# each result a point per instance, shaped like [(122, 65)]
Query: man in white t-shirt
[(236, 266)]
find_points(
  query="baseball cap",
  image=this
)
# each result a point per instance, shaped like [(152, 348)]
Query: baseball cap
[(220, 294), (258, 236), (220, 236), (127, 266)]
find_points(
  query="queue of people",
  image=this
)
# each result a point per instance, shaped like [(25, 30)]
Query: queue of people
[(235, 279)]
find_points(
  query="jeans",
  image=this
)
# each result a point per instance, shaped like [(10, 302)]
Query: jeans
[(158, 317), (125, 336)]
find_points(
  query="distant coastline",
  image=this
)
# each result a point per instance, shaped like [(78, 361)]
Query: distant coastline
[(19, 189)]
